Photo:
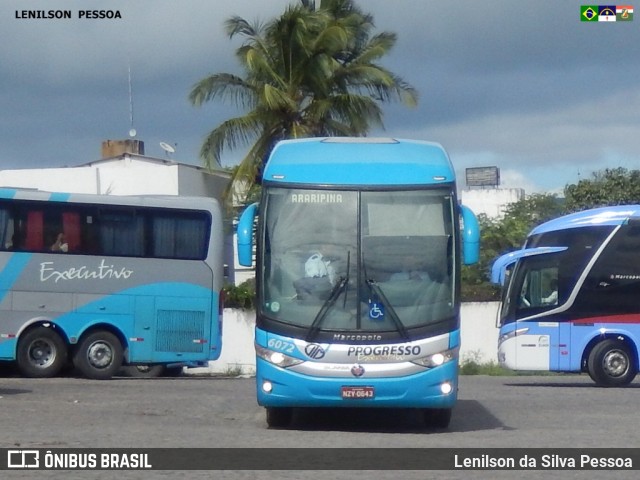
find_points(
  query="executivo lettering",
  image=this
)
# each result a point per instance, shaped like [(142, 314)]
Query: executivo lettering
[(101, 272)]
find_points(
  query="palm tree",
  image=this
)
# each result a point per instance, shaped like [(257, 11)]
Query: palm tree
[(310, 72)]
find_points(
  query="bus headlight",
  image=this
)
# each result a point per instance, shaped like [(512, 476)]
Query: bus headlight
[(276, 358), (437, 359)]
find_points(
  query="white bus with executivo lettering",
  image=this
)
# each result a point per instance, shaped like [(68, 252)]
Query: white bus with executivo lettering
[(359, 248), (101, 281)]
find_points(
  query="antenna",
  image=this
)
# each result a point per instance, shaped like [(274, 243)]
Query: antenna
[(132, 131), (167, 148)]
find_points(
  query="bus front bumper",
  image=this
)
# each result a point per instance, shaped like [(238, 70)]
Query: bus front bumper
[(278, 387)]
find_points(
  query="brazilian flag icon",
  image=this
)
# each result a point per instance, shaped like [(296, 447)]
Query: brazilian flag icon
[(589, 13)]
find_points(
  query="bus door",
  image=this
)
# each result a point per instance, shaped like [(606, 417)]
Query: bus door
[(543, 340), (564, 347)]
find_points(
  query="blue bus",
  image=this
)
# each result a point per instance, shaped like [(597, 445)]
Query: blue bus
[(100, 281), (358, 276), (570, 296)]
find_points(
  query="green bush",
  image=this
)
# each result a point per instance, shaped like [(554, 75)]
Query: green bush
[(471, 365), (241, 296), (481, 292), (491, 368)]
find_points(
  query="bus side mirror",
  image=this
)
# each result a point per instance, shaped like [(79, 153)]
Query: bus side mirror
[(470, 236), (245, 236)]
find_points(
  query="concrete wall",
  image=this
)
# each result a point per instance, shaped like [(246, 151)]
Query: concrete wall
[(478, 331), (80, 180), (491, 201)]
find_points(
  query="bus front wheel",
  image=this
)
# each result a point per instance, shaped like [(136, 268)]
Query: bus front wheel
[(279, 417), (611, 363), (41, 353), (99, 355)]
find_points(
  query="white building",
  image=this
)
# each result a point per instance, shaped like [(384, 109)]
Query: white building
[(127, 172), (491, 201)]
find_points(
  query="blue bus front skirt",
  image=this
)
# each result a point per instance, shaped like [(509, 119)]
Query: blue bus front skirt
[(292, 389)]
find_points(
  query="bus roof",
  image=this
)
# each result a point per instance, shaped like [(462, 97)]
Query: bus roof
[(615, 215), (161, 201), (358, 161)]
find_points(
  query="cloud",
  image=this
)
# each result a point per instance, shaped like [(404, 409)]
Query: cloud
[(522, 85), (160, 38)]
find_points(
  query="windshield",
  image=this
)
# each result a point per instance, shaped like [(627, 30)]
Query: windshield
[(544, 282), (358, 261)]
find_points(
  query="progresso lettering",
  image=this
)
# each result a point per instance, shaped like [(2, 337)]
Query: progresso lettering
[(385, 350), (101, 272), (316, 198)]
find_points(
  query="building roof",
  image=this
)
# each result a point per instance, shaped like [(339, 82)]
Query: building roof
[(154, 160)]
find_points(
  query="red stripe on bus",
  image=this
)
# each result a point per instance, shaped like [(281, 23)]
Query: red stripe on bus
[(625, 318)]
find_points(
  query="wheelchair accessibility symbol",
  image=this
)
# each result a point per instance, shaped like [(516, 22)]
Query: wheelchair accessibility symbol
[(376, 311)]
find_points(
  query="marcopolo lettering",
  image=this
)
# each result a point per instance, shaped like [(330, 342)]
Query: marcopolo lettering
[(384, 350), (316, 198), (356, 337)]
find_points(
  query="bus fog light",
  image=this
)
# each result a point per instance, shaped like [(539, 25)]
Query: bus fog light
[(267, 386), (446, 388)]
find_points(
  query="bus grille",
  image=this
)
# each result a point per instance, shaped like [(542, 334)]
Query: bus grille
[(178, 331)]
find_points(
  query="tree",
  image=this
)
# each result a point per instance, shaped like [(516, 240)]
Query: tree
[(311, 71), (611, 186), (499, 236)]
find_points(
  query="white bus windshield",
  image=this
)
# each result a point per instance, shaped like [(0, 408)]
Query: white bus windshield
[(389, 252)]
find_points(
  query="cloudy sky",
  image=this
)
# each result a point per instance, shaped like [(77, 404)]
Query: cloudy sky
[(520, 84)]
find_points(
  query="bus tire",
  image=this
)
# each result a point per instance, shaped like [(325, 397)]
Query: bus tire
[(279, 417), (99, 355), (611, 363), (437, 417), (172, 372), (41, 353), (144, 371)]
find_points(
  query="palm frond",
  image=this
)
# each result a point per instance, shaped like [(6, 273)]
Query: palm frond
[(225, 86), (311, 71), (231, 134)]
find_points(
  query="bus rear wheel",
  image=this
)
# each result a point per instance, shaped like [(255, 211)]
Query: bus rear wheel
[(279, 417), (99, 355), (41, 353), (437, 417), (611, 363)]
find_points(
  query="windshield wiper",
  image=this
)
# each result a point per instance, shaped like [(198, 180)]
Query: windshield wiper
[(375, 288), (340, 285)]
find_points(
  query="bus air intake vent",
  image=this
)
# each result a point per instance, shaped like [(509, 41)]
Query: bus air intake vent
[(177, 330)]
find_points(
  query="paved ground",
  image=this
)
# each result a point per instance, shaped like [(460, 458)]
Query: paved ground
[(190, 412)]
